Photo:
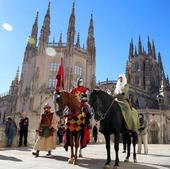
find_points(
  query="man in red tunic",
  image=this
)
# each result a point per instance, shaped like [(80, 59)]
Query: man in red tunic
[(81, 93), (80, 89)]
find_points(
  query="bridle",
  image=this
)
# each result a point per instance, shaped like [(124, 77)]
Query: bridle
[(103, 115), (59, 101)]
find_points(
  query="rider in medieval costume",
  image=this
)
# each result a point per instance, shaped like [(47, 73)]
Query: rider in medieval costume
[(81, 94), (121, 96), (79, 89), (47, 132)]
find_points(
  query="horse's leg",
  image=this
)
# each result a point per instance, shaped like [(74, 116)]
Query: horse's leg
[(107, 138), (77, 139), (70, 161), (128, 146), (116, 147), (80, 150), (134, 146), (80, 153)]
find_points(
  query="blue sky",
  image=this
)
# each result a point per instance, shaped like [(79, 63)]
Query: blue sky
[(115, 23)]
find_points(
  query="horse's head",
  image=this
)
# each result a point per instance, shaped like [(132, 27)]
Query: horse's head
[(64, 99), (61, 100), (96, 102)]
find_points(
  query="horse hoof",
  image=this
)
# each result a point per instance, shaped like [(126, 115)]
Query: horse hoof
[(126, 160), (107, 166), (116, 167), (70, 161), (74, 162), (135, 160), (80, 155)]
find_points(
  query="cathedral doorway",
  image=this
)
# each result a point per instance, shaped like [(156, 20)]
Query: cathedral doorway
[(154, 131)]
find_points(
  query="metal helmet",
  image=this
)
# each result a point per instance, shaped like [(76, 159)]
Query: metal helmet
[(80, 82)]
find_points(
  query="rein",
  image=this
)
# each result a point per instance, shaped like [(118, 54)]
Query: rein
[(103, 115)]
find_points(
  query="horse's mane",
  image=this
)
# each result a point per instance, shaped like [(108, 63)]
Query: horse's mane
[(71, 101), (102, 95)]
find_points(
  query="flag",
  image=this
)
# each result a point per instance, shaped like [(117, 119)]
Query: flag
[(60, 77)]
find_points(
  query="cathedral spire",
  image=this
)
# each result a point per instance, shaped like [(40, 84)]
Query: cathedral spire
[(91, 52), (45, 30), (35, 29), (149, 47), (139, 46), (143, 50), (60, 39), (17, 76), (160, 62), (91, 27), (32, 40), (136, 54), (78, 40), (54, 40), (153, 49), (90, 38), (131, 50), (71, 28)]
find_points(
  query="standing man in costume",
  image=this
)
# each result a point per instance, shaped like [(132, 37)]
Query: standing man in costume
[(121, 96), (142, 135), (23, 124), (47, 132)]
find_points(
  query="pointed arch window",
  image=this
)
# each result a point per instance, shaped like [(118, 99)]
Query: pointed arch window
[(54, 66), (51, 83), (78, 70)]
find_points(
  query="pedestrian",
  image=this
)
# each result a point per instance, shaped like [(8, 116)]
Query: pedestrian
[(23, 132), (60, 133), (95, 133), (142, 135), (10, 131), (47, 132)]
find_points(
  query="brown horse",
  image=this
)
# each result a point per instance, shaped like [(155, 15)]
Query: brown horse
[(74, 120)]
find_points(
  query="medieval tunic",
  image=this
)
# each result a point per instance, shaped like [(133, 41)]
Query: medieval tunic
[(129, 113), (47, 133), (78, 91), (76, 121)]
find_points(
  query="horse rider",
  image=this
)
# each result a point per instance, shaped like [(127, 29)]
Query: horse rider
[(121, 96), (81, 93), (79, 89)]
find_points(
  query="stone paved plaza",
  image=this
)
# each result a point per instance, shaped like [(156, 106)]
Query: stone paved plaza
[(94, 158)]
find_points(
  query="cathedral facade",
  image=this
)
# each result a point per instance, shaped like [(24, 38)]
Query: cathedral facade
[(149, 89), (38, 75), (33, 89)]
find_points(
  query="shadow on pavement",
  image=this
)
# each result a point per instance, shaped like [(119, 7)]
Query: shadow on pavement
[(58, 158), (95, 163), (161, 165), (17, 148), (10, 158), (159, 155), (91, 163)]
